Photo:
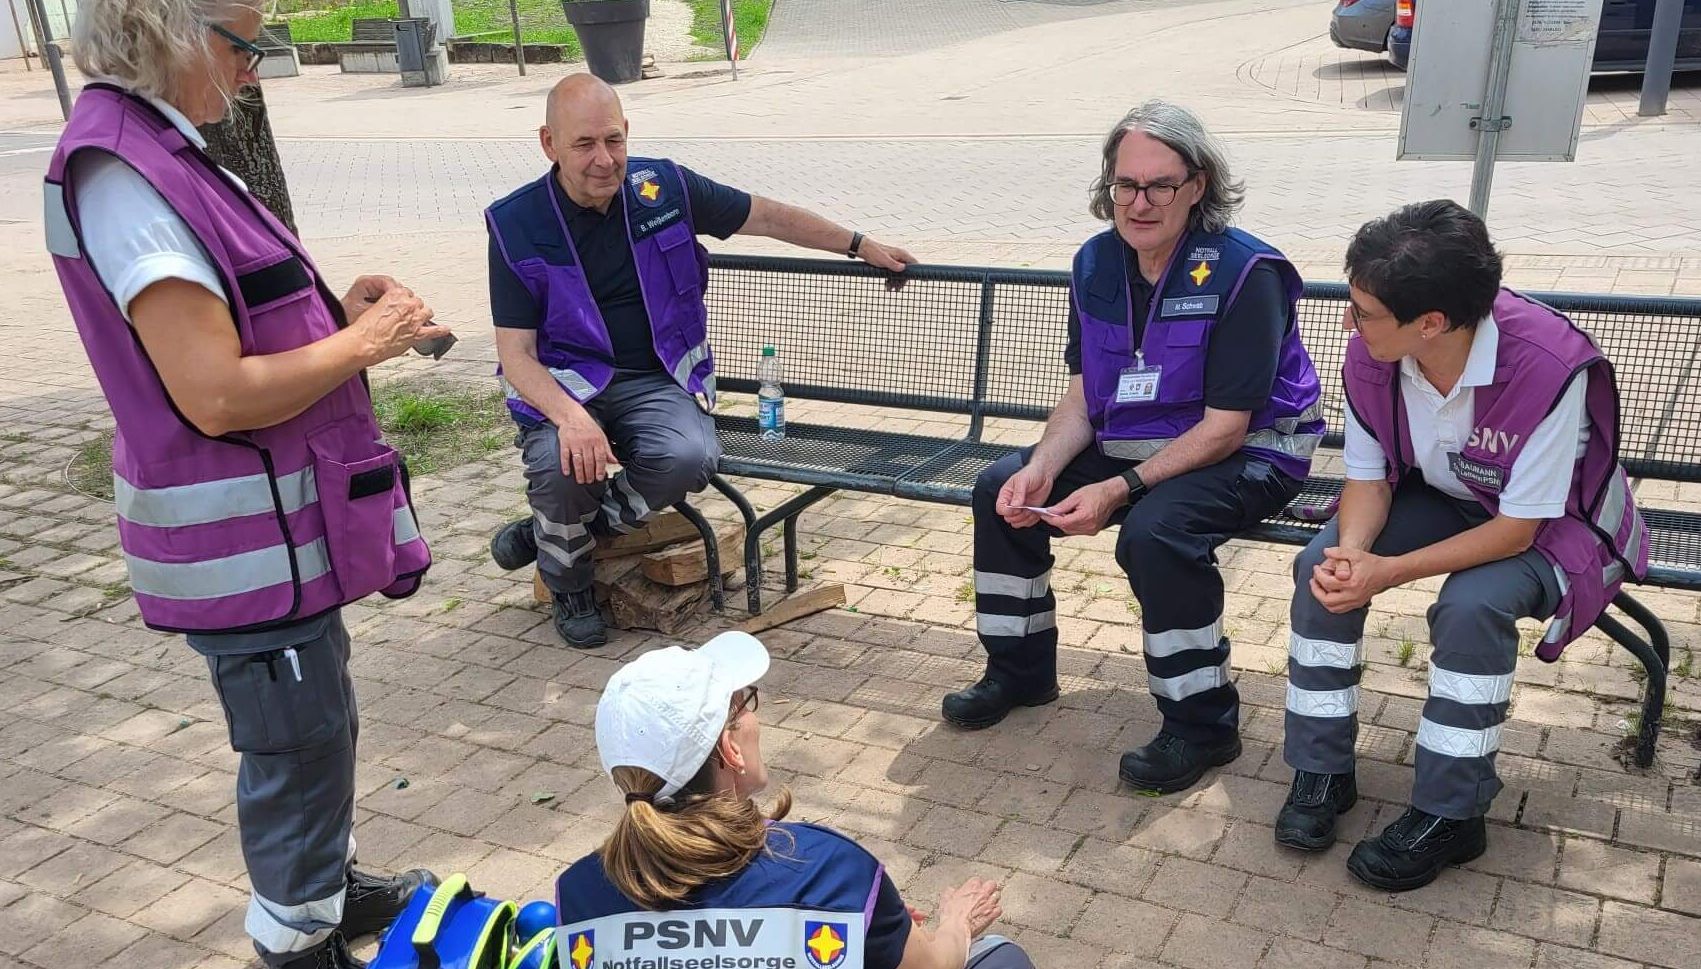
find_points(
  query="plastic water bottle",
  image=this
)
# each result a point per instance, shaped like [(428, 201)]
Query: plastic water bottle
[(770, 398)]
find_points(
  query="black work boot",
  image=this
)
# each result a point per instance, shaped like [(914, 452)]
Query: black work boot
[(330, 954), (578, 621), (1413, 850), (372, 901), (987, 702), (1170, 763), (1307, 820), (514, 545)]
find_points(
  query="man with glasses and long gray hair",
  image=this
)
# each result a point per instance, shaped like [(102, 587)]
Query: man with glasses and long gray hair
[(1191, 414)]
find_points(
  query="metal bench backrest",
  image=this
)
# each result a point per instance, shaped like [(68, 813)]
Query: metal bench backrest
[(844, 338), (373, 31), (275, 37)]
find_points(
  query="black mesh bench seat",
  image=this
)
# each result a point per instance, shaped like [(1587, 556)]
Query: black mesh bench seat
[(987, 344)]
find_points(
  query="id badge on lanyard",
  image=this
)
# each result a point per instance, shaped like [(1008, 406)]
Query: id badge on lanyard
[(1138, 384)]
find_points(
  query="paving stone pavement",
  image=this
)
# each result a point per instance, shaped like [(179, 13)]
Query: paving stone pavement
[(116, 782)]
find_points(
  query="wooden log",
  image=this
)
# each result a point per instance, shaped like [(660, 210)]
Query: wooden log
[(667, 528), (688, 564), (796, 606)]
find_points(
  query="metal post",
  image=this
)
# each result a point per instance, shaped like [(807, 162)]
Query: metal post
[(50, 54), (519, 45), (1662, 54), (727, 27), (18, 28), (1493, 120)]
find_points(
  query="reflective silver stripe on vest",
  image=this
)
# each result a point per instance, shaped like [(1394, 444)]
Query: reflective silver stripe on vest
[(212, 501), (1014, 586), (570, 380), (403, 526), (1613, 572), (1323, 703), (1611, 518), (1322, 653), (1175, 641), (243, 572), (1561, 622), (1291, 425), (61, 237), (1469, 688), (988, 624), (1189, 684), (1457, 741), (228, 576), (1269, 439), (694, 356)]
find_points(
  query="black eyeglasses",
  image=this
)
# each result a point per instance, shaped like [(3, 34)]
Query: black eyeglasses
[(1159, 194), (751, 701), (255, 54)]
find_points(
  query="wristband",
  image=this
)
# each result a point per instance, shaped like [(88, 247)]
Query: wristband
[(855, 246)]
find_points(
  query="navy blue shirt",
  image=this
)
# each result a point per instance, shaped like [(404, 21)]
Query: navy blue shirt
[(800, 870), (606, 256), (1246, 344)]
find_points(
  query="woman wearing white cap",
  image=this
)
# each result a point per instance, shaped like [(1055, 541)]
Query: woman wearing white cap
[(696, 876)]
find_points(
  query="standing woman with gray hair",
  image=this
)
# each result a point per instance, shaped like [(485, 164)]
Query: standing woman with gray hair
[(1191, 414), (255, 495)]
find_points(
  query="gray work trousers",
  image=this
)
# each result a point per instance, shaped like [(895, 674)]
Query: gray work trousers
[(289, 703), (667, 449), (1474, 640), (997, 952)]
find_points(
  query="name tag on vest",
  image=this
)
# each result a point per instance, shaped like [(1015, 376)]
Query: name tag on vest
[(749, 938), (1482, 475), (1189, 306)]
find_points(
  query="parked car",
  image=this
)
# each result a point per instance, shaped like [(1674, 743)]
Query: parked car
[(1621, 44), (1362, 24)]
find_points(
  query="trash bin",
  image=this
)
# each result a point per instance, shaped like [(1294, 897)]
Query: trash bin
[(414, 36)]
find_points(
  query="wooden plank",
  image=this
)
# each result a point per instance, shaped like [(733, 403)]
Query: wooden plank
[(796, 606), (688, 564), (667, 528)]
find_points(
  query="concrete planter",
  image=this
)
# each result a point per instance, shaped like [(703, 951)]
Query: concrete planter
[(612, 34)]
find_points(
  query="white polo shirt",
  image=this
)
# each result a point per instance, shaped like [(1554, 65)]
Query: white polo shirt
[(1440, 425), (130, 236)]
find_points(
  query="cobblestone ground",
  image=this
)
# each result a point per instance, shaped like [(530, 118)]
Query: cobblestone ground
[(116, 782)]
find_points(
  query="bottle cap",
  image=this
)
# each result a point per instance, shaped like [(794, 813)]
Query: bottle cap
[(767, 351)]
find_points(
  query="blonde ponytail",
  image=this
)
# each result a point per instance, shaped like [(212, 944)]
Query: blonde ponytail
[(659, 854)]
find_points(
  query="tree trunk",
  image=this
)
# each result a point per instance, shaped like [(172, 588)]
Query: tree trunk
[(243, 143)]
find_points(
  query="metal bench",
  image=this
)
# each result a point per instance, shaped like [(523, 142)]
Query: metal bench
[(282, 59), (958, 348), (371, 48)]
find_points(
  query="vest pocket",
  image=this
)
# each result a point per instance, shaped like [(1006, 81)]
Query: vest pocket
[(359, 499), (1183, 361), (679, 248)]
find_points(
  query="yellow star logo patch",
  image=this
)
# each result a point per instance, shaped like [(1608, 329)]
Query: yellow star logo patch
[(1200, 273), (582, 950), (826, 945), (650, 191)]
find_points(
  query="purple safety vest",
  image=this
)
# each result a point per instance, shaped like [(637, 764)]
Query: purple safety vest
[(673, 273), (253, 529), (1601, 537), (1202, 280)]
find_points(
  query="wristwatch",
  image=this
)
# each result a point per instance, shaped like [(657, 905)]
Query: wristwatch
[(855, 246), (1136, 485)]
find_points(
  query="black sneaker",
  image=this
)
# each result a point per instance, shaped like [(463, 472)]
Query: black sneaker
[(330, 954), (987, 702), (1169, 764), (514, 545), (578, 621), (373, 901), (1307, 820), (1413, 850)]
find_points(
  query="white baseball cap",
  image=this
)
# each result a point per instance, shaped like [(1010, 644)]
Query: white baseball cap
[(664, 711)]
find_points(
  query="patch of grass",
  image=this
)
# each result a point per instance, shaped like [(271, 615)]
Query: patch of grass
[(893, 571), (1685, 667), (436, 425), (749, 18), (439, 425), (451, 604), (541, 21), (966, 592), (1404, 652)]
